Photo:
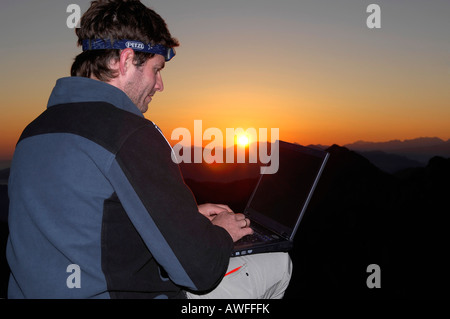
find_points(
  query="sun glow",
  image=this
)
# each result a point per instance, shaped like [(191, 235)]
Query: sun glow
[(243, 140)]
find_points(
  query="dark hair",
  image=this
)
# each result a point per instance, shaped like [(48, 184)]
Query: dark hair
[(117, 19)]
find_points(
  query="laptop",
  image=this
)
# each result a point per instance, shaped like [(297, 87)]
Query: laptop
[(279, 201)]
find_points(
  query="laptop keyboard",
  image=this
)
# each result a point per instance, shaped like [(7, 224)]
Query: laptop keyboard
[(253, 238)]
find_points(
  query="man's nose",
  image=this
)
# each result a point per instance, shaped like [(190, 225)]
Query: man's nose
[(159, 86)]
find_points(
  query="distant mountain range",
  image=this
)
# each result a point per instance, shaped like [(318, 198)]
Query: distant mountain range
[(391, 156), (395, 155), (419, 149)]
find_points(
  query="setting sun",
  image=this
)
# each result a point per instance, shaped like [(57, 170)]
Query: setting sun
[(243, 140)]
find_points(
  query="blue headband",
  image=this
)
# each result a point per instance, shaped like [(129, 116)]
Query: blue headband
[(99, 44)]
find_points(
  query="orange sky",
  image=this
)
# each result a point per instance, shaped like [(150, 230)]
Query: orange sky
[(310, 68)]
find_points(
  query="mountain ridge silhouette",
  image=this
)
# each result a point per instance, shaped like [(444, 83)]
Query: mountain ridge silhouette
[(420, 149)]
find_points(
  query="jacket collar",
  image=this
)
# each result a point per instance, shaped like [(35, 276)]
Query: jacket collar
[(82, 89)]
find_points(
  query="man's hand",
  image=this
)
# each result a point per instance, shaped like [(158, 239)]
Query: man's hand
[(235, 224), (221, 215), (211, 210)]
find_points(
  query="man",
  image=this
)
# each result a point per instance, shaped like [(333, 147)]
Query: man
[(98, 209)]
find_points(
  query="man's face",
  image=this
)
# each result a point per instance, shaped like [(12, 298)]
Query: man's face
[(145, 81)]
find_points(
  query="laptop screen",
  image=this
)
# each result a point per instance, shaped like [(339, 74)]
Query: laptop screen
[(279, 200)]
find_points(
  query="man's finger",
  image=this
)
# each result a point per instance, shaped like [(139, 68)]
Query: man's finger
[(247, 231), (246, 223), (226, 207)]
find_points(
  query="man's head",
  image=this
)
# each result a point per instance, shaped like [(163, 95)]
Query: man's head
[(109, 23)]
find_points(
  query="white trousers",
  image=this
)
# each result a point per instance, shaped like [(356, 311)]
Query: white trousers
[(259, 276)]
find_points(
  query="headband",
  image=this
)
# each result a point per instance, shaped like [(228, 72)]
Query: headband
[(99, 44)]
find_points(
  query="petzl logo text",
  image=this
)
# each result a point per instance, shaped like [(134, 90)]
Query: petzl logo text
[(136, 45)]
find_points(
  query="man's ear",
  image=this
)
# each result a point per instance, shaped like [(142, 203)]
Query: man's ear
[(126, 60)]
